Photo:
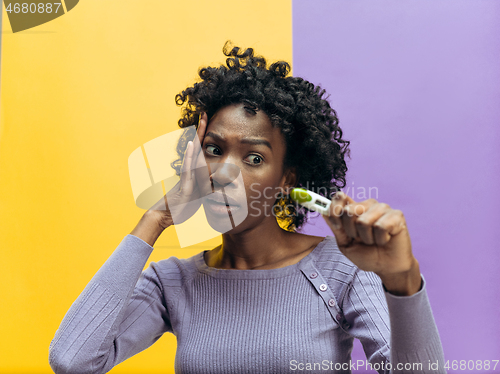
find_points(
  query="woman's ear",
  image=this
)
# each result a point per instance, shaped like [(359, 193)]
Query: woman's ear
[(290, 179)]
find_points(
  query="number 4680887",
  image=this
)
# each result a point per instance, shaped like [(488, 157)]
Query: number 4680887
[(471, 365), (33, 7)]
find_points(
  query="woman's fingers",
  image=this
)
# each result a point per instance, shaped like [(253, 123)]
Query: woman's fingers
[(389, 224), (336, 210), (368, 221), (334, 218), (349, 215), (202, 127), (365, 222), (193, 151), (343, 211), (200, 135), (372, 235), (186, 172)]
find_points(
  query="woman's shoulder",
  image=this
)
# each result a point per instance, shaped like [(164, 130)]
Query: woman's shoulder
[(328, 256), (175, 272), (175, 264), (331, 263)]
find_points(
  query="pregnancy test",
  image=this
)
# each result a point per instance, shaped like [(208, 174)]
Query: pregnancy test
[(311, 200)]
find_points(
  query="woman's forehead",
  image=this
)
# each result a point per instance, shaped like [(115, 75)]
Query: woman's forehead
[(235, 120)]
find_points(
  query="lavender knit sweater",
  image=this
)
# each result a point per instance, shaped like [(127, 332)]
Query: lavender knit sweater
[(299, 318)]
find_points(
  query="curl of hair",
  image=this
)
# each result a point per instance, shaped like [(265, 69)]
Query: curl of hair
[(314, 143)]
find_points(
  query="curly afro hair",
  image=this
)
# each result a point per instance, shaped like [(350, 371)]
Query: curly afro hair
[(314, 144)]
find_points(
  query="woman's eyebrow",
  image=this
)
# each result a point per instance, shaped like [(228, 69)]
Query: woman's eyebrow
[(253, 141), (256, 141)]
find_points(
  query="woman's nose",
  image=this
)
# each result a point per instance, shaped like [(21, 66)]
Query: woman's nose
[(224, 174)]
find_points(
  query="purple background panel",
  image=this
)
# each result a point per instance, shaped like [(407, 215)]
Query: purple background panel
[(416, 85)]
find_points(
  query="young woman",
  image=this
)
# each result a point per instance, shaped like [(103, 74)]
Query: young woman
[(268, 299)]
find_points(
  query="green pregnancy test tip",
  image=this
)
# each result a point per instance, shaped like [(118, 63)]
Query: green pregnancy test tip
[(300, 195)]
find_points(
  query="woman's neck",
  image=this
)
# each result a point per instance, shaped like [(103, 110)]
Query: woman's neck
[(266, 246)]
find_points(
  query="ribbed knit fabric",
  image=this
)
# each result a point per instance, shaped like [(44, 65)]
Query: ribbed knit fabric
[(299, 318)]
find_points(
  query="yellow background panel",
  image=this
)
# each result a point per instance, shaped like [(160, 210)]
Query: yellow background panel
[(78, 95)]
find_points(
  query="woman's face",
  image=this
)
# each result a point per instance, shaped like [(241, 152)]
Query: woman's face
[(244, 154)]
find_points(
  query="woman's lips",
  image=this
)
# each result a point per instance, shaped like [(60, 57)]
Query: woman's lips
[(219, 208), (222, 198), (216, 203)]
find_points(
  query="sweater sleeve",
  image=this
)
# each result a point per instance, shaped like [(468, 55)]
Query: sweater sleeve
[(394, 330), (119, 313), (414, 336)]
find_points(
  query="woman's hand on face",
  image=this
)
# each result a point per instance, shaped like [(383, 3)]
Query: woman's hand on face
[(375, 238), (182, 201)]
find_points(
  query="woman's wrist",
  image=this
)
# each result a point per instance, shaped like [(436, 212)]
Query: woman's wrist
[(403, 284), (148, 229)]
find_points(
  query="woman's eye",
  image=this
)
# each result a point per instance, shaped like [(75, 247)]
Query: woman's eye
[(212, 150), (255, 159)]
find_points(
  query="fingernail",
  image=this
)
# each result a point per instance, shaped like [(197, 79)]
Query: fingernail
[(339, 195)]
